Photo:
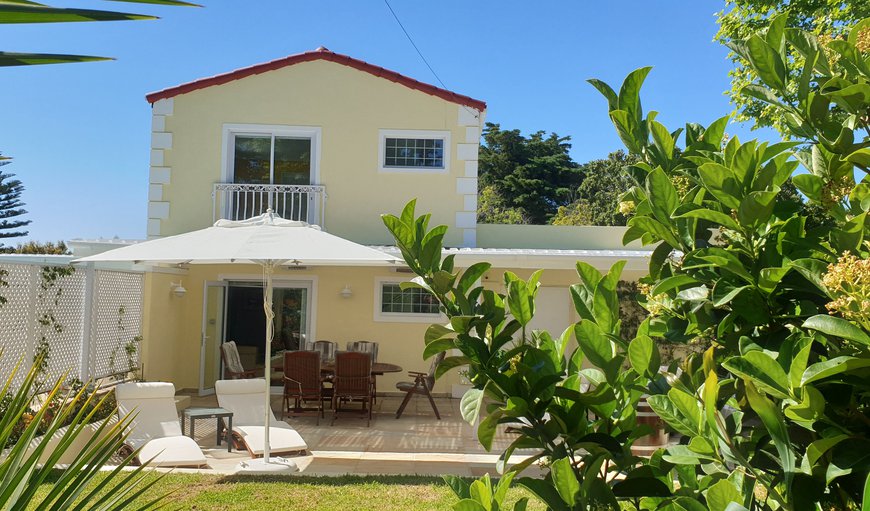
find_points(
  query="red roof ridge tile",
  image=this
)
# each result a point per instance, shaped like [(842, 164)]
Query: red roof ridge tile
[(321, 53)]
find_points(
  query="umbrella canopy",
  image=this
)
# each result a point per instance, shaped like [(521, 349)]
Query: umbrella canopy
[(263, 238), (267, 240)]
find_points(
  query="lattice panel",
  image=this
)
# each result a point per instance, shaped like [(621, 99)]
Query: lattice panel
[(111, 330), (15, 317), (59, 317)]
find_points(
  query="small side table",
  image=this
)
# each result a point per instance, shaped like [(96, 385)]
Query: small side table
[(210, 413)]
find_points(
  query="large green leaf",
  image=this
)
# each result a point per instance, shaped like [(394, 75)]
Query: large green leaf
[(519, 301), (777, 427), (629, 93), (722, 183), (712, 216), (766, 62), (656, 228), (595, 344), (545, 492), (38, 14), (668, 411), (828, 368), (28, 59), (837, 327), (663, 198), (761, 369), (565, 480), (469, 405), (644, 356), (721, 494)]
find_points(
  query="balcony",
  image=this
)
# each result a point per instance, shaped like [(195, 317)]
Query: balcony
[(235, 201)]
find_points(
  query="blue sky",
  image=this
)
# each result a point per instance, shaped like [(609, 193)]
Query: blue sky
[(79, 133)]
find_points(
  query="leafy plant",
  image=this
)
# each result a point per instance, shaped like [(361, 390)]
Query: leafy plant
[(28, 11), (575, 410), (27, 461), (775, 414)]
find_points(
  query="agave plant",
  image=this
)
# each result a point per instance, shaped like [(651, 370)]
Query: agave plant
[(29, 462)]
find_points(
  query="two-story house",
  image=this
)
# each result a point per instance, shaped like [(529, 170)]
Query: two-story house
[(335, 141)]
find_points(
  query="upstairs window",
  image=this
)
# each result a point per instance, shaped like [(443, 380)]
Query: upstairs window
[(414, 151)]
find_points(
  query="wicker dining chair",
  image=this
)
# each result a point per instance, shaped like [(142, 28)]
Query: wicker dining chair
[(352, 382), (233, 368), (302, 383), (326, 349)]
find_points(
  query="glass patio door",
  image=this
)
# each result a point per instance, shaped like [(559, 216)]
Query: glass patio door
[(213, 327), (270, 159)]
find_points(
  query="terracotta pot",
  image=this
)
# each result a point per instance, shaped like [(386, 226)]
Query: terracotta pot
[(646, 445)]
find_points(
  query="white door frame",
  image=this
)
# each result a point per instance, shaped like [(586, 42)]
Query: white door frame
[(202, 345)]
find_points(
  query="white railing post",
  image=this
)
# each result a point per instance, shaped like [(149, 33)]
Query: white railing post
[(85, 367), (293, 202)]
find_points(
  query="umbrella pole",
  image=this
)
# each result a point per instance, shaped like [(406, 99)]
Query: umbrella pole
[(268, 269), (266, 465)]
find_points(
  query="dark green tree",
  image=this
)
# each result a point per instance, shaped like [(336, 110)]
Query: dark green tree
[(11, 207), (604, 181), (534, 174), (740, 19)]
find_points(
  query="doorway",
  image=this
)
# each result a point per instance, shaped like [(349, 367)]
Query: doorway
[(233, 311)]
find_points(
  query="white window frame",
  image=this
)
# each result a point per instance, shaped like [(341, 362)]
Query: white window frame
[(383, 135), (399, 317), (229, 132)]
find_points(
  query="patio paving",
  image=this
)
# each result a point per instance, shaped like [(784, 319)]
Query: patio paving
[(415, 444)]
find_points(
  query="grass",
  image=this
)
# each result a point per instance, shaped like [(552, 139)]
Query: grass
[(303, 493)]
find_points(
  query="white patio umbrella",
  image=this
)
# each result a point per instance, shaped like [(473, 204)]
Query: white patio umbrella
[(266, 240)]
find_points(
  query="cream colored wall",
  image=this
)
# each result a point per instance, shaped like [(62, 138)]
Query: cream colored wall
[(350, 107), (171, 348), (566, 237), (172, 331)]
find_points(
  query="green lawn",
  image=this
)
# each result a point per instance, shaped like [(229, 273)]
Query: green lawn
[(351, 493)]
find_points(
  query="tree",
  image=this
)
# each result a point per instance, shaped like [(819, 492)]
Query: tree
[(604, 182), (826, 19), (534, 174), (492, 208), (43, 248), (11, 207), (27, 11)]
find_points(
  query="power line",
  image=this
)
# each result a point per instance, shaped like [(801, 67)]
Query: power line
[(414, 44)]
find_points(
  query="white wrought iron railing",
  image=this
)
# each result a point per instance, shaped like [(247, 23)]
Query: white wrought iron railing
[(237, 201)]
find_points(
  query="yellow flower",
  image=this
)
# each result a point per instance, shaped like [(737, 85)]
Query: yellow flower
[(682, 184), (862, 42), (626, 207), (848, 283)]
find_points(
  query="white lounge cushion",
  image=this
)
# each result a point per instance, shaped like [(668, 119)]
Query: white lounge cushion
[(156, 428), (247, 400), (175, 451), (282, 438)]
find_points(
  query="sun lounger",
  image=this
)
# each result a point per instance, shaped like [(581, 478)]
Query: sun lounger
[(155, 429), (245, 398)]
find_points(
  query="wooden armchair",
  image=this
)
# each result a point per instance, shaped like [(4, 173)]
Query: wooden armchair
[(352, 382), (422, 384), (233, 368), (302, 382)]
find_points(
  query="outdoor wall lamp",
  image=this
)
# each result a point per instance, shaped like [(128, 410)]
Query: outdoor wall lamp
[(347, 292), (177, 289)]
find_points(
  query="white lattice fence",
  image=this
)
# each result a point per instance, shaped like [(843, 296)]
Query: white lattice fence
[(116, 320), (73, 316)]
